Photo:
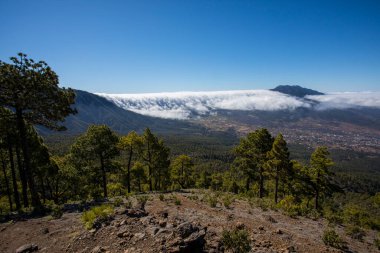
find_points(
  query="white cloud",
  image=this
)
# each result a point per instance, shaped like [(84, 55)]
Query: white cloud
[(343, 100), (183, 105)]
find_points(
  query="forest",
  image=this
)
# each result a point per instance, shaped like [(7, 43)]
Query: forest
[(101, 164)]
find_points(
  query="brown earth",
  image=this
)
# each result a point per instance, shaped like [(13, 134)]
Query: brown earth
[(166, 227)]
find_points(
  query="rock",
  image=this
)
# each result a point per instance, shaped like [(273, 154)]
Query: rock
[(240, 225), (185, 229), (164, 214), (290, 249), (279, 231), (122, 223), (261, 228), (45, 231), (120, 210), (152, 230), (194, 242), (27, 248), (162, 223), (121, 232), (135, 213), (161, 231), (270, 219), (102, 221), (98, 249), (139, 236), (92, 231)]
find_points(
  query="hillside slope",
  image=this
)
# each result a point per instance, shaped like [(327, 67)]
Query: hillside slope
[(94, 109)]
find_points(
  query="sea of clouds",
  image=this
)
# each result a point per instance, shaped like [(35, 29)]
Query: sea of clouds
[(184, 105)]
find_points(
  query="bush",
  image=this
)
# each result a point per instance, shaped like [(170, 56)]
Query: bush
[(237, 240), (289, 206), (96, 214), (117, 201), (355, 232), (377, 243), (227, 200), (161, 197), (212, 200), (193, 197), (177, 201), (331, 238), (263, 203), (141, 201), (56, 211)]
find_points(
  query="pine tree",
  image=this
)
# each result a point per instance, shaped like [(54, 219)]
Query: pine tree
[(131, 143), (278, 163), (31, 90), (252, 155), (95, 150), (182, 170), (320, 173)]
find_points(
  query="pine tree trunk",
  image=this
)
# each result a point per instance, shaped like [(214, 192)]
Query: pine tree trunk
[(129, 170), (247, 183), (4, 166), (43, 190), (28, 172), (104, 176), (150, 179), (21, 172), (14, 179), (261, 187), (276, 190), (316, 200)]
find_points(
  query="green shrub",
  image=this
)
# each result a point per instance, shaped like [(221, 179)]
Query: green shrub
[(290, 206), (141, 200), (98, 213), (161, 197), (212, 200), (227, 200), (193, 197), (355, 232), (263, 203), (236, 240), (56, 211), (117, 201), (377, 243), (331, 238), (177, 201)]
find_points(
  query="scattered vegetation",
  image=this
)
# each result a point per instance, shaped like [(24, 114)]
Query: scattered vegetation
[(236, 241), (227, 200), (96, 215), (331, 238), (355, 232)]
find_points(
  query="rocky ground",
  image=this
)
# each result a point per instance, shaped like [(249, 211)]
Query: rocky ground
[(190, 225)]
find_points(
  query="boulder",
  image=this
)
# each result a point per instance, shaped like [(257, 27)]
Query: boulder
[(31, 247)]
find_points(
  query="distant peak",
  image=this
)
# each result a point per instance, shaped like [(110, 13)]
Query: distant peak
[(296, 90)]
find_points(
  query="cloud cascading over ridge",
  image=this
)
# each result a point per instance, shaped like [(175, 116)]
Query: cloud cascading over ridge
[(184, 105)]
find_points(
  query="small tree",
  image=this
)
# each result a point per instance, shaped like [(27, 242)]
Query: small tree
[(138, 173), (131, 143), (96, 149), (252, 155), (181, 170), (320, 173), (155, 156), (278, 162)]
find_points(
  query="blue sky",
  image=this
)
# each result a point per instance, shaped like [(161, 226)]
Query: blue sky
[(152, 46)]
